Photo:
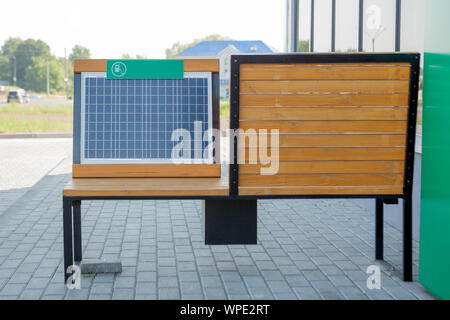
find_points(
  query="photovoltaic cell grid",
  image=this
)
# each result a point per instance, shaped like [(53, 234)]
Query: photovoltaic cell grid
[(127, 121)]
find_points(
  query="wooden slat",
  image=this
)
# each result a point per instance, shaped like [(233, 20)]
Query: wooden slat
[(190, 65), (323, 100), (301, 86), (305, 167), (327, 126), (323, 72), (335, 140), (341, 154), (304, 180), (323, 113), (291, 191), (150, 187), (145, 170)]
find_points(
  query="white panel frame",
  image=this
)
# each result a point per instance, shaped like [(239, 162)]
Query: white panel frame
[(85, 160)]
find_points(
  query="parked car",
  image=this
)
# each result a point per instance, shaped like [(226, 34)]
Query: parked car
[(18, 95)]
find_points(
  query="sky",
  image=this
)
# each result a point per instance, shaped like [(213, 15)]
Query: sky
[(138, 27), (111, 28)]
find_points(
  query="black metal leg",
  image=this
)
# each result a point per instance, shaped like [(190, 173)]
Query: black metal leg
[(407, 238), (230, 222), (77, 230), (379, 230), (67, 230)]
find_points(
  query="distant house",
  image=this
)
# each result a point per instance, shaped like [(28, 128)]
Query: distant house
[(222, 50)]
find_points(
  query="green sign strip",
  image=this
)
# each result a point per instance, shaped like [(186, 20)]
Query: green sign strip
[(144, 69)]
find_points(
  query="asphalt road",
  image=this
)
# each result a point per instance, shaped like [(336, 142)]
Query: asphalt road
[(44, 101)]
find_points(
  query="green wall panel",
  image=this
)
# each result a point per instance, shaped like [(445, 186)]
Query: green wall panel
[(434, 268)]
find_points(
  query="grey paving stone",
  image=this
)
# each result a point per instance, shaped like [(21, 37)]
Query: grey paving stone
[(327, 290), (307, 293), (146, 288), (30, 294), (260, 293), (168, 293), (146, 276), (12, 289), (211, 282), (123, 294), (38, 283), (145, 297), (314, 275), (279, 287), (190, 288), (215, 293), (297, 281), (167, 282), (124, 282), (102, 288), (255, 282), (353, 293), (82, 294)]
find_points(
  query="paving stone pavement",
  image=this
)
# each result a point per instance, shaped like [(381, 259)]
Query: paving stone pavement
[(23, 162), (308, 249)]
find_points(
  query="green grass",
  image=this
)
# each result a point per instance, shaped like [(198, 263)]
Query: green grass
[(11, 125), (224, 107), (32, 118)]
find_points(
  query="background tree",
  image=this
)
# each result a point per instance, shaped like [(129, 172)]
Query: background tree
[(7, 51), (36, 75), (25, 52), (79, 52), (177, 47), (5, 68)]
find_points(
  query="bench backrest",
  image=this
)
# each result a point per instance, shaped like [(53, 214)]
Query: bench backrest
[(129, 170), (346, 122)]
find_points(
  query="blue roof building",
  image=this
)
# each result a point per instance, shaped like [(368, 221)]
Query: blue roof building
[(213, 48), (222, 50)]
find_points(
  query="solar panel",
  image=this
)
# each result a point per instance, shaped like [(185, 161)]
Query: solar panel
[(132, 121)]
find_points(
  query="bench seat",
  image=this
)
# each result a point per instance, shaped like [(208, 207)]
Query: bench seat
[(146, 187)]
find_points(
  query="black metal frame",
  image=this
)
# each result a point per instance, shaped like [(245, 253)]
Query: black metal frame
[(414, 60), (398, 24), (361, 26)]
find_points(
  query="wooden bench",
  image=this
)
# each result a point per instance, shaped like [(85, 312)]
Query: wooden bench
[(112, 181), (347, 130)]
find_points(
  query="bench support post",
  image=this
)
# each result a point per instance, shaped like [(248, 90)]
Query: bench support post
[(229, 222), (379, 230), (77, 243), (67, 230), (407, 238)]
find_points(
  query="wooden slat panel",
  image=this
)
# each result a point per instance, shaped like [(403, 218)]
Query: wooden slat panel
[(190, 65), (322, 72), (336, 140), (327, 126), (305, 180), (321, 191), (327, 154), (300, 167), (341, 154), (334, 86), (323, 113), (151, 187), (323, 100), (145, 170)]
